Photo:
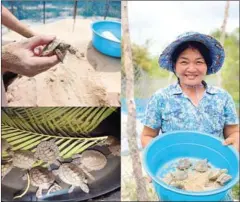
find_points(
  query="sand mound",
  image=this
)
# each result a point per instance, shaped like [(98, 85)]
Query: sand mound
[(93, 80)]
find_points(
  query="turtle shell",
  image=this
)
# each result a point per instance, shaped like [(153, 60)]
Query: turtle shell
[(180, 175), (71, 174), (184, 164), (50, 47), (47, 151), (41, 177), (23, 159), (201, 165), (93, 160)]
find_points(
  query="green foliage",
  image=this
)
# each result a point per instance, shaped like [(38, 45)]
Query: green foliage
[(143, 59), (25, 128), (235, 191), (230, 69)]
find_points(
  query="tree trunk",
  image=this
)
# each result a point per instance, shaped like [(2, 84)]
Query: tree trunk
[(222, 37), (131, 119)]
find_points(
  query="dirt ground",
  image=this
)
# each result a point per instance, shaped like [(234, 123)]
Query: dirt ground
[(92, 80)]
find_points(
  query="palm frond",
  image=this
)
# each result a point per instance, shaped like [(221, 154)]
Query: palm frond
[(25, 128), (65, 121), (68, 146)]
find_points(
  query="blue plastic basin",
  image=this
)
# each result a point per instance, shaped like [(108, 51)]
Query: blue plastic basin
[(171, 146), (105, 44)]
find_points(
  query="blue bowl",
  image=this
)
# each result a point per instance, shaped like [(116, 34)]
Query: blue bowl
[(169, 147), (107, 45)]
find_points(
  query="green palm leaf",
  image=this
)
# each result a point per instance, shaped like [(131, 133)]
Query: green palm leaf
[(66, 121), (25, 128)]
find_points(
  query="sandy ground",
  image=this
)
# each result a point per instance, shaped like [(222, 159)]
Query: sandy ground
[(92, 80)]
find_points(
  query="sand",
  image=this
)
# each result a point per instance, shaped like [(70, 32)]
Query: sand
[(94, 80), (196, 182)]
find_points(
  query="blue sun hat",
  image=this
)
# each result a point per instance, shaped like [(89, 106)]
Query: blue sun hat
[(216, 51)]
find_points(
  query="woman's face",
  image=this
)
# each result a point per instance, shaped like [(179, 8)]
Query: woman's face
[(191, 67)]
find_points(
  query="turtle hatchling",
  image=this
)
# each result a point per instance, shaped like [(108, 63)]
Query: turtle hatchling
[(223, 178), (42, 178), (21, 159), (201, 165), (72, 175), (215, 173), (59, 48), (179, 175), (90, 160), (48, 152), (184, 164)]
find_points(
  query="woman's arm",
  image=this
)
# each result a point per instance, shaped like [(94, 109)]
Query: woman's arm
[(147, 135), (231, 134), (10, 21)]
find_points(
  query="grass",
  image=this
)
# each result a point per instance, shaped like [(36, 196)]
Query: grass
[(235, 192)]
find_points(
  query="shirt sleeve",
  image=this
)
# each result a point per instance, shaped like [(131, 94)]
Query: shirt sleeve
[(152, 118), (230, 113)]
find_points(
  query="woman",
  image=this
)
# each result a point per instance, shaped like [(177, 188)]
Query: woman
[(192, 104)]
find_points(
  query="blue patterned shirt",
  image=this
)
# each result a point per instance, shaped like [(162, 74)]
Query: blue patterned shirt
[(169, 109)]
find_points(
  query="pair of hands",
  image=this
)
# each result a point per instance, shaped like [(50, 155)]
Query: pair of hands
[(24, 57)]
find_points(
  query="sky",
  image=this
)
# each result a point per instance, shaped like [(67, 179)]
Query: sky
[(163, 21)]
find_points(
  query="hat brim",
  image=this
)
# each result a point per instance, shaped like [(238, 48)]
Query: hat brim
[(217, 53)]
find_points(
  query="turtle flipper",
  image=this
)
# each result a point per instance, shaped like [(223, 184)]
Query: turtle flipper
[(60, 54), (39, 193), (84, 187), (71, 189)]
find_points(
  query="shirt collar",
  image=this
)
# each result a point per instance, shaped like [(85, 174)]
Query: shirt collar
[(176, 89)]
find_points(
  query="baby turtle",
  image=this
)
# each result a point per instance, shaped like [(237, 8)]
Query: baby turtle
[(179, 175), (23, 159), (42, 178), (223, 178), (91, 160), (73, 175), (113, 145), (184, 164), (215, 173), (201, 165), (115, 150), (48, 152), (59, 48)]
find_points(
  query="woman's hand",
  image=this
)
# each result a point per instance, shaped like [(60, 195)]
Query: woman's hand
[(231, 133), (233, 140), (23, 57)]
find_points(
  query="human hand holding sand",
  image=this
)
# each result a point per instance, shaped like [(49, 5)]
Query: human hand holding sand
[(23, 57)]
